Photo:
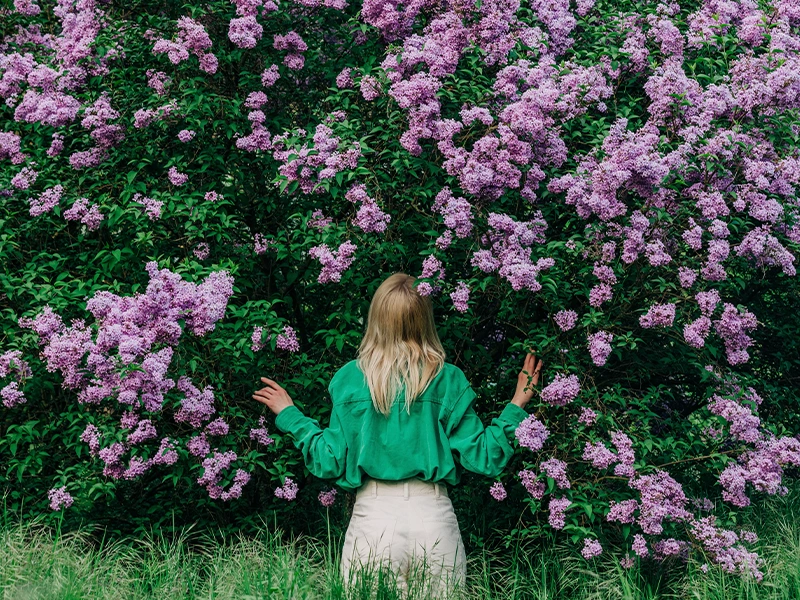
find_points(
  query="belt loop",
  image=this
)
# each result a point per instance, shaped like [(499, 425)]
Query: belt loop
[(436, 489), (406, 493), (374, 484)]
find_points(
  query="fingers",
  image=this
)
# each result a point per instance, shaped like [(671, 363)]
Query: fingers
[(271, 383), (528, 363), (264, 395)]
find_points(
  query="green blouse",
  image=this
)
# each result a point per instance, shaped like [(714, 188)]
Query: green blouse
[(441, 431)]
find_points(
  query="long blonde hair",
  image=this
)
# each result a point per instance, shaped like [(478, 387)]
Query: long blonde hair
[(400, 346)]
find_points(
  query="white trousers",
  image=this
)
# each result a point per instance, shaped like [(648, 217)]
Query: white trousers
[(409, 525)]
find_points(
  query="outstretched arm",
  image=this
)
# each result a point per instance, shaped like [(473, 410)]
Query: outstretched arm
[(323, 450), (488, 450)]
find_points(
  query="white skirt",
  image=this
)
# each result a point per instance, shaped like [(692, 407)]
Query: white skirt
[(411, 527)]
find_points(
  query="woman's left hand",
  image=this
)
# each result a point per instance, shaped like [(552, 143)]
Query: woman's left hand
[(274, 396)]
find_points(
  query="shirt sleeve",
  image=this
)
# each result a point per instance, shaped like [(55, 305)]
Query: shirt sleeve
[(324, 450), (482, 450)]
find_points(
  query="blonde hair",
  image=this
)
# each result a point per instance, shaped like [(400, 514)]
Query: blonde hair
[(400, 346)]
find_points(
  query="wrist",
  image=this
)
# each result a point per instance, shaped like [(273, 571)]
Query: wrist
[(521, 402)]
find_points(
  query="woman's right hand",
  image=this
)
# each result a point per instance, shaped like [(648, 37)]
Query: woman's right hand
[(522, 396)]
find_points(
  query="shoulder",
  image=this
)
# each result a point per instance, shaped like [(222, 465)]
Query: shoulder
[(455, 376), (452, 384), (348, 376)]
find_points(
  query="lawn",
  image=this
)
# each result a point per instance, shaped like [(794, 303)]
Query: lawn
[(36, 562)]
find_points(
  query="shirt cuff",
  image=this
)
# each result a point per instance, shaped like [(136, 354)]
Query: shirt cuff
[(289, 418), (513, 414)]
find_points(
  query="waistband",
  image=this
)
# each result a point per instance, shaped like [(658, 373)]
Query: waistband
[(405, 488)]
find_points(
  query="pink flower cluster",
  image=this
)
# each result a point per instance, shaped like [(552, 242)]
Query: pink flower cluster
[(370, 218), (510, 251), (191, 38), (127, 331), (11, 363), (288, 491), (498, 491), (327, 498), (311, 165), (333, 263), (60, 498), (532, 484), (562, 390), (531, 433)]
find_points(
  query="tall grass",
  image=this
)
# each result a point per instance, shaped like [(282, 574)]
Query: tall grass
[(36, 562)]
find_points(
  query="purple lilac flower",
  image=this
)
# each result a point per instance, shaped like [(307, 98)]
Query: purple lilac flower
[(245, 32), (145, 430), (659, 315), (158, 80), (46, 201), (600, 456), (558, 507), (288, 491), (318, 220), (11, 362), (257, 343), (557, 470), (531, 433), (270, 75), (534, 486), (600, 347), (498, 491), (333, 263), (591, 548), (707, 301), (345, 79), (12, 395), (460, 297), (625, 454), (24, 179), (588, 416), (197, 406), (686, 276), (327, 498), (212, 471), (566, 319), (260, 434), (59, 498), (661, 498), (199, 445), (695, 333), (201, 251), (622, 512), (261, 244), (176, 177), (639, 546), (744, 425), (600, 293), (732, 327), (186, 135), (152, 207), (370, 87), (166, 453), (91, 436), (370, 218), (288, 340), (217, 427), (562, 390)]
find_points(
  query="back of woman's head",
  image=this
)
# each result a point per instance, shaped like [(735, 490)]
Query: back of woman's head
[(400, 347)]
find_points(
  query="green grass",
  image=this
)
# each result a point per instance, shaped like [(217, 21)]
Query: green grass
[(37, 563)]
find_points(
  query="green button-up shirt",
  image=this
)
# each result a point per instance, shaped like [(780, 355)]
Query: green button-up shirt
[(441, 431)]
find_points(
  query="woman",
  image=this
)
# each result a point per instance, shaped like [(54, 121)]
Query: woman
[(401, 456)]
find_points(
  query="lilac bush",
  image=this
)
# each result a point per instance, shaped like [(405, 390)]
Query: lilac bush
[(196, 195)]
